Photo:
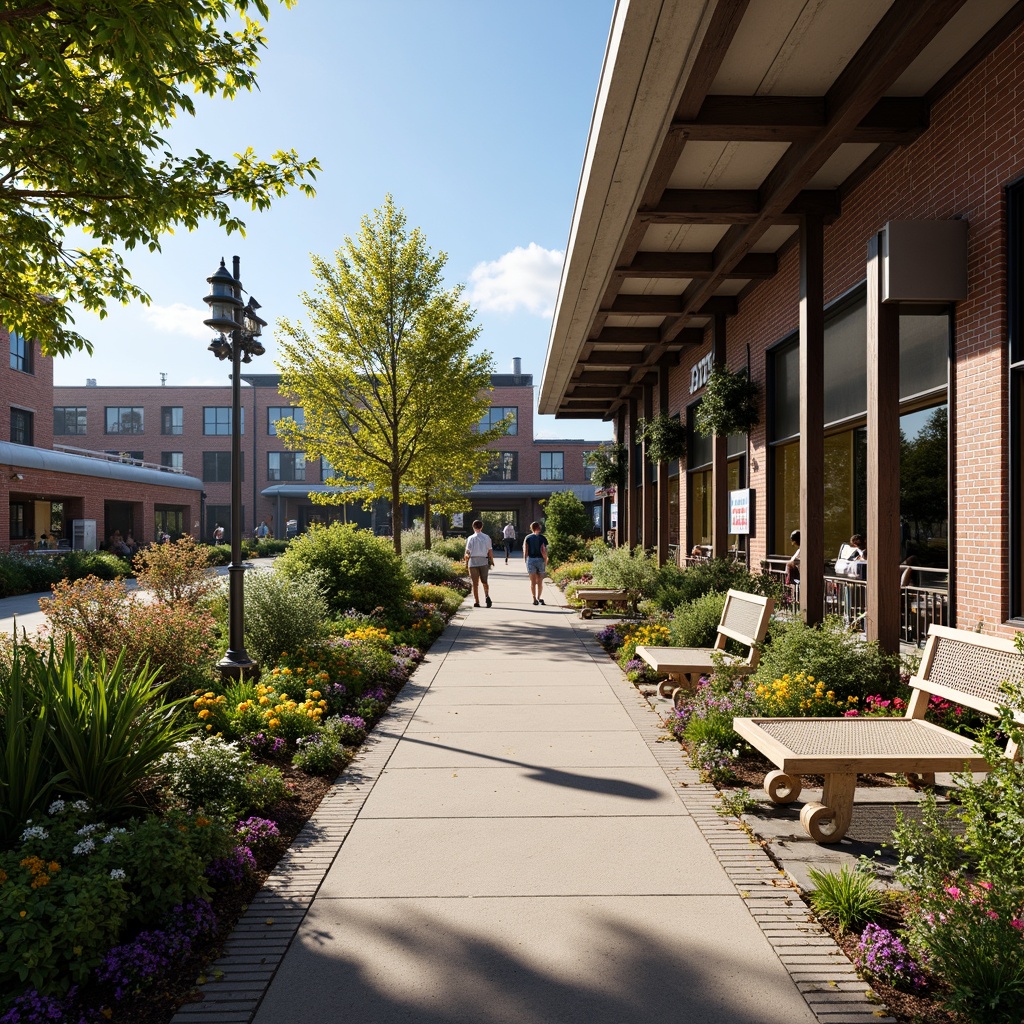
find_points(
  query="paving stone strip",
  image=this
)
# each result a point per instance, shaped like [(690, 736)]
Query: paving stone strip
[(236, 982)]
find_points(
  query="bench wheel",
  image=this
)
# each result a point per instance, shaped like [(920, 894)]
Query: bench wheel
[(666, 688), (916, 780), (782, 788), (820, 824), (587, 613)]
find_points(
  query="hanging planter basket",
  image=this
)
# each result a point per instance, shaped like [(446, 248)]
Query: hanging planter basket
[(664, 437), (728, 405), (607, 466)]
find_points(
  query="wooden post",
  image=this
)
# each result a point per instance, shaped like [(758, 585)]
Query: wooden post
[(883, 427), (647, 537), (662, 472), (812, 418), (719, 457), (621, 489), (632, 481)]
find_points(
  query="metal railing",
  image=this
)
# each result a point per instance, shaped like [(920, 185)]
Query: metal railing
[(923, 601), (122, 458)]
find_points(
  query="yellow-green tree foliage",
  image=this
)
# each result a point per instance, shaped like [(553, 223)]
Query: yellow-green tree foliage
[(391, 388), (86, 90)]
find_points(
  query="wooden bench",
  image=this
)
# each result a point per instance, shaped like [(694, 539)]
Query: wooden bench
[(745, 619), (598, 598), (964, 667)]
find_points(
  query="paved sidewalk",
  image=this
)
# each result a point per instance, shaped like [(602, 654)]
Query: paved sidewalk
[(515, 845)]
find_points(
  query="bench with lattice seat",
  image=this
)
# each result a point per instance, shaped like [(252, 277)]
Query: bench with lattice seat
[(966, 668), (599, 598), (745, 619)]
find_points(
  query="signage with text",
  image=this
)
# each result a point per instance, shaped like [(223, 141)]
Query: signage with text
[(740, 510), (699, 374)]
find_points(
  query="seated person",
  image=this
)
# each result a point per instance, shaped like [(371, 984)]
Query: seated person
[(850, 555)]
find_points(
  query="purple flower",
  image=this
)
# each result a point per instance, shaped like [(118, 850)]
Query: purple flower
[(33, 1008), (882, 954), (257, 833), (232, 869)]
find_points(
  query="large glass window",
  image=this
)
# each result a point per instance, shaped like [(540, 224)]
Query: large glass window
[(286, 466), (496, 414), (21, 353), (173, 460), (552, 465), (217, 420), (125, 419), (68, 419), (283, 412), (217, 467), (172, 419), (504, 466), (21, 426)]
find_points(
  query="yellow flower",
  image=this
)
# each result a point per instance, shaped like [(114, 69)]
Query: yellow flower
[(209, 728), (316, 695), (22, 913), (274, 723), (264, 700), (53, 867), (205, 713)]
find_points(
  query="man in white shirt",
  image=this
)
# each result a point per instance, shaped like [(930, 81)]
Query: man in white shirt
[(480, 558), (509, 533)]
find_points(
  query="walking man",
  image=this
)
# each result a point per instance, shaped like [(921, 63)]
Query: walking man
[(535, 551), (509, 533), (479, 557)]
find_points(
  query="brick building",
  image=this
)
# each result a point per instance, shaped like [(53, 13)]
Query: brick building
[(828, 198), (188, 429), (50, 488)]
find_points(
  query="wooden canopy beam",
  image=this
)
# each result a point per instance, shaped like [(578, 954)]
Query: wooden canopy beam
[(703, 265), (735, 206)]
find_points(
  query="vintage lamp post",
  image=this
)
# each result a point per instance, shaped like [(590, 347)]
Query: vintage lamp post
[(238, 339)]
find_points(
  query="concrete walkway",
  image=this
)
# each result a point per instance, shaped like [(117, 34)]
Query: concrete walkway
[(516, 845)]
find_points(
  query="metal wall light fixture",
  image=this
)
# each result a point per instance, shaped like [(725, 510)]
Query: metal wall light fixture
[(238, 339)]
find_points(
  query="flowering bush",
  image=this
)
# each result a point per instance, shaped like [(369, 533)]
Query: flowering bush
[(350, 730), (797, 695), (320, 754), (612, 637), (282, 613), (231, 870), (646, 635), (176, 572), (883, 956), (259, 834)]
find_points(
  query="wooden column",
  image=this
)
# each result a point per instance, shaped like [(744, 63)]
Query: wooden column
[(812, 418), (647, 536), (662, 472), (620, 490), (632, 481), (883, 541), (719, 457)]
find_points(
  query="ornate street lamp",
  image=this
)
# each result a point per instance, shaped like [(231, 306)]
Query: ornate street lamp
[(238, 339)]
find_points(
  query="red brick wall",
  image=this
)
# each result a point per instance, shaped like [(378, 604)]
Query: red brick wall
[(30, 391)]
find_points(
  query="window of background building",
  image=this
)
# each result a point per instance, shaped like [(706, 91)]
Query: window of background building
[(552, 465), (68, 419), (286, 466), (326, 470), (700, 515), (21, 426), (172, 419), (1015, 323), (217, 420), (924, 359), (21, 353), (504, 466), (19, 520), (124, 419), (169, 519), (588, 470), (286, 412), (173, 460), (496, 414), (217, 467)]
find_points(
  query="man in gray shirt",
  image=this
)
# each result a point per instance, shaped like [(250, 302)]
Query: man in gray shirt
[(480, 558)]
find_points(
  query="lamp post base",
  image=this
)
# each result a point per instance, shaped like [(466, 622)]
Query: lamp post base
[(238, 667)]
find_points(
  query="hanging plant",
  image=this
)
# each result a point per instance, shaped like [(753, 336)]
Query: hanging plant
[(607, 466), (664, 437), (728, 405)]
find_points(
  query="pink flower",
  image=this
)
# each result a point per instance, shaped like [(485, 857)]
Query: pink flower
[(992, 915), (1018, 924), (952, 890), (985, 885)]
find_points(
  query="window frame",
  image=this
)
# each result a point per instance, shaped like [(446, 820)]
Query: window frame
[(169, 463), (81, 413), (547, 475), (221, 421), (285, 412), (277, 476), (220, 458), (489, 420), (21, 352), (121, 410), (168, 428), (27, 418)]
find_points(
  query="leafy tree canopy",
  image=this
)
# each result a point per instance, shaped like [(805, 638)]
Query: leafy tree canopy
[(86, 90), (393, 393)]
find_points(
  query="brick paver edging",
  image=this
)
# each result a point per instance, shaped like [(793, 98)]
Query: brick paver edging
[(822, 972), (235, 984)]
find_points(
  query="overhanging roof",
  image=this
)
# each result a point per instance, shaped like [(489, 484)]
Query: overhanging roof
[(717, 126)]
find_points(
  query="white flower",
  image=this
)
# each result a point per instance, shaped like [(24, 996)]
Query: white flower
[(84, 847), (81, 805), (34, 832), (113, 834), (117, 873), (87, 830), (57, 807)]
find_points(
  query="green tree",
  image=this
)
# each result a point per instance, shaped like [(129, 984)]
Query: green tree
[(86, 90), (391, 389), (567, 524)]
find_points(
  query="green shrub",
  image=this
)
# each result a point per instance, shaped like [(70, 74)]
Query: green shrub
[(206, 773), (847, 897), (453, 548), (833, 656), (431, 567), (175, 572), (678, 586), (695, 623), (103, 565), (567, 525), (320, 754), (571, 572), (264, 787), (361, 571), (633, 570), (282, 613), (444, 597)]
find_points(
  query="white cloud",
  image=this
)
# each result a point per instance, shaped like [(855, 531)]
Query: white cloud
[(178, 319), (525, 278)]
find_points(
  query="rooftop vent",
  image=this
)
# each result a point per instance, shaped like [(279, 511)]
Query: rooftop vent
[(90, 382), (517, 366)]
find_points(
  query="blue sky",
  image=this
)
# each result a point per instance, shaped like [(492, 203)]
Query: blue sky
[(473, 114)]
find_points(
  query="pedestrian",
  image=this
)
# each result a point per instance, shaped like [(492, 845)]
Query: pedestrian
[(509, 535), (479, 557), (263, 530), (218, 534), (535, 551)]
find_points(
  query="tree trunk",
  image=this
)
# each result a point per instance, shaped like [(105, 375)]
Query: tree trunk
[(426, 521), (396, 514)]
